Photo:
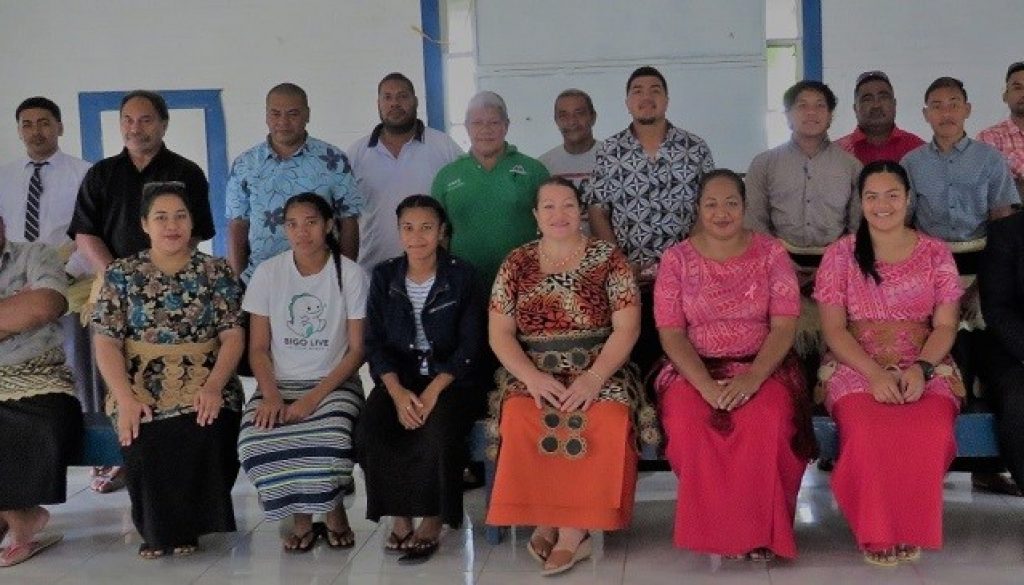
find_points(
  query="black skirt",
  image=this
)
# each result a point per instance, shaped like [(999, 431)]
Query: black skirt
[(40, 437), (179, 477), (414, 473)]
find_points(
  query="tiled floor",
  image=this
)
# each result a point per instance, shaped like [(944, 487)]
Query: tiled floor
[(984, 545)]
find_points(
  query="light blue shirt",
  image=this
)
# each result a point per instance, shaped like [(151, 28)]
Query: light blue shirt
[(955, 191), (261, 182)]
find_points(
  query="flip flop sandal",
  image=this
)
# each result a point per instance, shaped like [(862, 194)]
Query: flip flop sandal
[(108, 482), (299, 547), (19, 553), (761, 555), (336, 540), (562, 560), (418, 552), (149, 552), (539, 551), (997, 484), (882, 558), (395, 545), (908, 554), (185, 549)]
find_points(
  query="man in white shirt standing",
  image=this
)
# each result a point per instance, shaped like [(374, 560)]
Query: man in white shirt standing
[(38, 190), (399, 158), (574, 159)]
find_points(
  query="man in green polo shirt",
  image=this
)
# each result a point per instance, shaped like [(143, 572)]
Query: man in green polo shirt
[(489, 192)]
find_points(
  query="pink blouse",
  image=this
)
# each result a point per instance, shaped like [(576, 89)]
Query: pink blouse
[(726, 307), (910, 289)]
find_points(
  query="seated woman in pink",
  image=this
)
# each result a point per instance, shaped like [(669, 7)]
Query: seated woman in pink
[(889, 307), (733, 401)]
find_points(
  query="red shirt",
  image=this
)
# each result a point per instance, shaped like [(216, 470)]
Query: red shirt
[(899, 144)]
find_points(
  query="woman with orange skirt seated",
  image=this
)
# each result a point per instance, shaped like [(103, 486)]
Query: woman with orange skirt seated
[(564, 314), (733, 401), (889, 299)]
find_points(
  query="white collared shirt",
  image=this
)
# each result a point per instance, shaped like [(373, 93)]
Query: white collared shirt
[(385, 181), (61, 180)]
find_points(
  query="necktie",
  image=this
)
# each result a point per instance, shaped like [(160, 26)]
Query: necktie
[(35, 190)]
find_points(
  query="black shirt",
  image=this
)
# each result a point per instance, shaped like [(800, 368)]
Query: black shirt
[(109, 198)]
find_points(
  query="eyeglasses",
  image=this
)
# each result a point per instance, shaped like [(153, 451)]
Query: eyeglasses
[(154, 187), (572, 447)]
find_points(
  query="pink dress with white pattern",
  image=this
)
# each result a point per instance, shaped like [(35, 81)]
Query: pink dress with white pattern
[(739, 472), (910, 291)]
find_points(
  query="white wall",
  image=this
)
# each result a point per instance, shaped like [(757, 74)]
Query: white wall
[(710, 51), (337, 50), (916, 42)]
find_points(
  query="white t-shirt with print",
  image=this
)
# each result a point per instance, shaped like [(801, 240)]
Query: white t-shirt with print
[(308, 314)]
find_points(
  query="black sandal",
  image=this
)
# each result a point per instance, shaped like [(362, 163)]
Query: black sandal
[(336, 540), (419, 551), (149, 552), (300, 548), (395, 545)]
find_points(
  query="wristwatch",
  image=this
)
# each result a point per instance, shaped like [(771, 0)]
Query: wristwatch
[(927, 368)]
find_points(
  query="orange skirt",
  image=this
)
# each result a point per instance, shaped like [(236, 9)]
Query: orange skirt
[(536, 488)]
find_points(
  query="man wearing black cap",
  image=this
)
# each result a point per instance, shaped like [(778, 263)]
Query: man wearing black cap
[(876, 136), (1008, 136)]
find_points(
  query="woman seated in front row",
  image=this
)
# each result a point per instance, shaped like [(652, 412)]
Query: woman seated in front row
[(306, 308), (168, 338), (889, 298), (424, 328), (40, 418), (564, 314), (733, 399)]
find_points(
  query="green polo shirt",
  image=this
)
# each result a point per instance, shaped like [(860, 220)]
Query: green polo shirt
[(491, 212)]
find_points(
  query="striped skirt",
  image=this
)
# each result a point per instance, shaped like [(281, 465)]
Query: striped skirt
[(303, 467)]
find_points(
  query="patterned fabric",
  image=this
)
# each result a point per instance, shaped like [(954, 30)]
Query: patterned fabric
[(1008, 139), (35, 192), (955, 191), (138, 302), (726, 307), (29, 266), (909, 292), (260, 182), (900, 143), (563, 321), (45, 374), (302, 467), (652, 202)]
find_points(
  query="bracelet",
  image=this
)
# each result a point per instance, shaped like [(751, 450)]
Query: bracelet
[(595, 375)]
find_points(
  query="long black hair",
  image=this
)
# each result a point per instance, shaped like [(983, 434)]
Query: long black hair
[(863, 247), (327, 213)]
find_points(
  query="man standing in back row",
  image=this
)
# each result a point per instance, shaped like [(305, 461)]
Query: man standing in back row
[(643, 191), (876, 137), (399, 158), (288, 162), (1008, 136)]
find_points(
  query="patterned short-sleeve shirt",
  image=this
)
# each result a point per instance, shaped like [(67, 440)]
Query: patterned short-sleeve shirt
[(139, 302), (582, 299), (261, 182), (652, 201), (726, 307)]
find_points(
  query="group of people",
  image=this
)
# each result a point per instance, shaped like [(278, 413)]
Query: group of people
[(612, 294)]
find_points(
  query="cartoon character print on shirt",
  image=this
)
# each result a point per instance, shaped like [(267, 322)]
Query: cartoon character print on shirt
[(304, 315)]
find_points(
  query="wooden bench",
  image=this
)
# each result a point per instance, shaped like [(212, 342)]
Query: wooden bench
[(975, 438)]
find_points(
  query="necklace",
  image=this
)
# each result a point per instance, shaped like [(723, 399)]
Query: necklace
[(562, 263)]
